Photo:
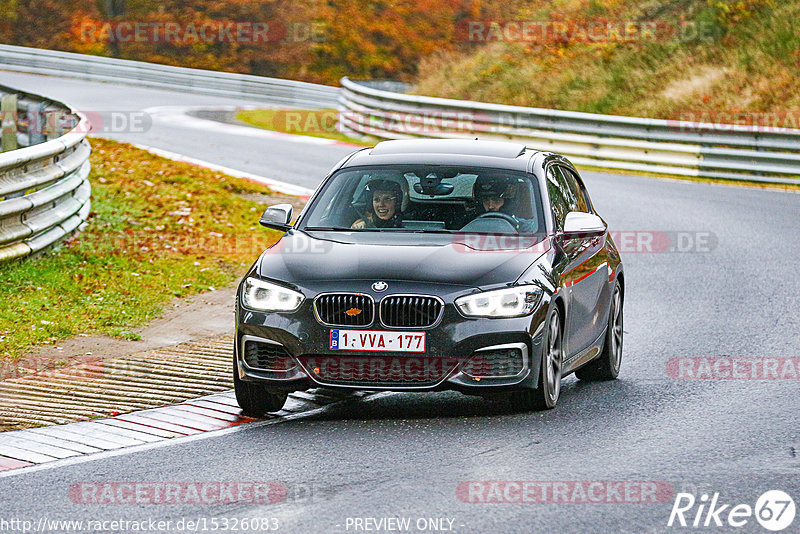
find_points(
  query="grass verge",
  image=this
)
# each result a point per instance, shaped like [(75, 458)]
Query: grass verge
[(158, 229)]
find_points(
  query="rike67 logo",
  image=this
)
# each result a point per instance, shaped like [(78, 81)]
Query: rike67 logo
[(774, 510)]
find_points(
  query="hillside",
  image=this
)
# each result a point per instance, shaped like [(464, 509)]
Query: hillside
[(714, 60)]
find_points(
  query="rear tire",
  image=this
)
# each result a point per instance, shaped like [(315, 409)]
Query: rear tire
[(546, 394), (255, 399), (607, 365)]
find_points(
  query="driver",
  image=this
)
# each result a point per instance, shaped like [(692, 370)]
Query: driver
[(384, 199), (498, 194)]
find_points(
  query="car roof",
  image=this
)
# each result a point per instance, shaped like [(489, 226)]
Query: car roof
[(466, 152)]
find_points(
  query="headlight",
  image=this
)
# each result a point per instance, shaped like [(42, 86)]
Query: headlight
[(511, 302), (266, 296)]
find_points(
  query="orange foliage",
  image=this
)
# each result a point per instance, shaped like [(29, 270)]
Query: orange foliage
[(316, 40)]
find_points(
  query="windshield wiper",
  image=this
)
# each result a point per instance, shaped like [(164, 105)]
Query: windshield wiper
[(326, 229)]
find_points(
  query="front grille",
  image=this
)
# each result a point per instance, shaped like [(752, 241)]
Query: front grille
[(410, 311), (379, 371), (269, 357), (344, 309), (498, 362)]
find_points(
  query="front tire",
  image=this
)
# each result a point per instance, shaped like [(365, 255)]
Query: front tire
[(546, 394), (607, 365), (254, 399)]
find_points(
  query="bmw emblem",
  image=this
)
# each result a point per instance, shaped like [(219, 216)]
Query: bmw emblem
[(380, 286)]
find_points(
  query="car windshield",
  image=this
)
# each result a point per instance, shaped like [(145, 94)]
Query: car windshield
[(435, 199)]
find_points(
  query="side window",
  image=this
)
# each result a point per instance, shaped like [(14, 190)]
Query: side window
[(559, 199), (576, 190)]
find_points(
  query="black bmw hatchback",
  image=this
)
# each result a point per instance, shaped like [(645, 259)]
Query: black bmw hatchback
[(426, 265)]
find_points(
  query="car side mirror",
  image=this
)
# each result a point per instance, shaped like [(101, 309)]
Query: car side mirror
[(277, 217), (579, 224)]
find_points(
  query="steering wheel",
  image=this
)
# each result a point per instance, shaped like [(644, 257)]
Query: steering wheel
[(499, 215)]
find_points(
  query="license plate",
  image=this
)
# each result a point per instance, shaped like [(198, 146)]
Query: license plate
[(378, 340)]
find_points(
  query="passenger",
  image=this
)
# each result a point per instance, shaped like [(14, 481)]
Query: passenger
[(384, 198)]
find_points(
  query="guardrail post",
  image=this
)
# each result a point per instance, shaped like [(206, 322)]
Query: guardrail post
[(52, 124), (36, 124), (8, 118)]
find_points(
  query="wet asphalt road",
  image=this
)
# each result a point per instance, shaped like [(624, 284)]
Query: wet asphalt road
[(405, 455), (130, 116)]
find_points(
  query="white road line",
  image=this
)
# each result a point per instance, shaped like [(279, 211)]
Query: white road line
[(179, 116), (275, 185)]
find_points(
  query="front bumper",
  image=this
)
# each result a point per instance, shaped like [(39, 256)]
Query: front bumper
[(452, 348)]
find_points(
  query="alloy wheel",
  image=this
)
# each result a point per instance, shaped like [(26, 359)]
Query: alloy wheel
[(554, 359), (616, 330)]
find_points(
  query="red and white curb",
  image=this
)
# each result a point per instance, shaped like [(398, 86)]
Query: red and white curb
[(22, 448), (37, 446)]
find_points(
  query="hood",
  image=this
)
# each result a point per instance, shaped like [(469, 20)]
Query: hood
[(472, 261)]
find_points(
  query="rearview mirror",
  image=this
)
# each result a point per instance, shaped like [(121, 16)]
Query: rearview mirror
[(277, 217), (438, 190), (432, 185), (579, 224)]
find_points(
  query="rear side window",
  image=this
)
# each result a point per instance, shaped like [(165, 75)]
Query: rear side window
[(575, 189), (561, 198)]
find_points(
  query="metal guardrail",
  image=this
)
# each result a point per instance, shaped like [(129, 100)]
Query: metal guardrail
[(367, 108), (44, 185), (609, 141), (207, 82)]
